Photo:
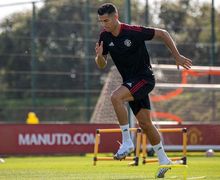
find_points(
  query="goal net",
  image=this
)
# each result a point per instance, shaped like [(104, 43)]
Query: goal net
[(179, 96)]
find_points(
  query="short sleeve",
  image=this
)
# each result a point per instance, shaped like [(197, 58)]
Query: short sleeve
[(147, 33), (105, 47)]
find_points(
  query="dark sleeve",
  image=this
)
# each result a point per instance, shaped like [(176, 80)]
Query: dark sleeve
[(105, 47), (147, 33)]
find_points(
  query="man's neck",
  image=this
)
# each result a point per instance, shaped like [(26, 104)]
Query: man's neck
[(117, 29)]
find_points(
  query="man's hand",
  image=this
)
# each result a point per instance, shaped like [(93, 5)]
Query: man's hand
[(183, 61), (100, 59), (180, 60), (99, 49)]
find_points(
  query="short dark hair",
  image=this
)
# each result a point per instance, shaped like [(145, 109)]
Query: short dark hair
[(107, 8)]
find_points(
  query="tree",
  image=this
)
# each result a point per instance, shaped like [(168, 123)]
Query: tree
[(190, 22), (60, 56)]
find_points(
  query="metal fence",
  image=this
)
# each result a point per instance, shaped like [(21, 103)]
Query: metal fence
[(47, 54)]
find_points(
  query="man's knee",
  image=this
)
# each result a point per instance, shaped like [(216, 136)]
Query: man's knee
[(116, 97), (145, 124)]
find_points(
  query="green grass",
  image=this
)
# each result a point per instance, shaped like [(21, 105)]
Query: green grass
[(81, 168)]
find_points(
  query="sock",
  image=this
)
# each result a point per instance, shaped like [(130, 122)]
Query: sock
[(159, 150), (125, 133)]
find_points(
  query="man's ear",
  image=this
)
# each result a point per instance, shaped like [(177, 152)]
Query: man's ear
[(116, 16)]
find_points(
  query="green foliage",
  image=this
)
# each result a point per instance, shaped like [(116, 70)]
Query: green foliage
[(191, 24), (174, 15)]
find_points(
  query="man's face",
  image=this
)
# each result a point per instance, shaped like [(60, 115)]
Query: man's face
[(108, 21)]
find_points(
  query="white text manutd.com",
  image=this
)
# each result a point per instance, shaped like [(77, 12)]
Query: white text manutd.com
[(55, 139)]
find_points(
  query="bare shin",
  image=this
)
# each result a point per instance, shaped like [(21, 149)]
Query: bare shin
[(148, 127)]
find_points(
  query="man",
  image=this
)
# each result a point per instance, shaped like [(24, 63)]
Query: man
[(126, 45)]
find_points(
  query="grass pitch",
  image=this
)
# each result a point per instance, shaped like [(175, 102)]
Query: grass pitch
[(81, 168)]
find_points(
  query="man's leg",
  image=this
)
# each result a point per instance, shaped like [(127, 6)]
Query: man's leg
[(118, 98), (145, 122)]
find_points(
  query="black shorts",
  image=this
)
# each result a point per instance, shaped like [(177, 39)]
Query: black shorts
[(140, 87)]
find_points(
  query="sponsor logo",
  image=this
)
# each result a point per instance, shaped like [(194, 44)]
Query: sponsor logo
[(111, 44), (129, 84), (159, 148)]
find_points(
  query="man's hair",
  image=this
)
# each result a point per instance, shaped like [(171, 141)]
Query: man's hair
[(107, 8)]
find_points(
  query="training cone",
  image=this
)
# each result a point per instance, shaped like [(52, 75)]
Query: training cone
[(32, 118)]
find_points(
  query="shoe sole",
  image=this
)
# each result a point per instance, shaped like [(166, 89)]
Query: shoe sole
[(123, 156), (162, 174)]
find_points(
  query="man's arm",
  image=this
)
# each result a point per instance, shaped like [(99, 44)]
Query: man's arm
[(180, 59), (101, 60)]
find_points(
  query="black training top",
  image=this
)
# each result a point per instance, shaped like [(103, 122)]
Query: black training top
[(128, 50)]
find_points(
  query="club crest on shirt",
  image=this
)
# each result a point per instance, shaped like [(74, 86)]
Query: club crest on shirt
[(127, 42)]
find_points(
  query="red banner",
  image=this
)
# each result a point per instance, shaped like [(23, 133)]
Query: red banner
[(79, 138)]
